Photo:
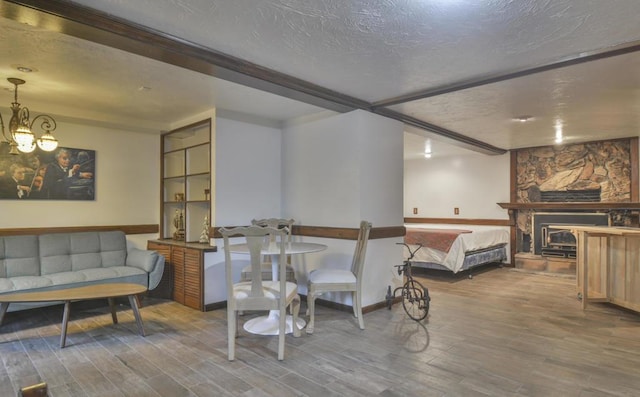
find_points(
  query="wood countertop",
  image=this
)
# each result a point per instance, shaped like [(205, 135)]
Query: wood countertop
[(601, 230)]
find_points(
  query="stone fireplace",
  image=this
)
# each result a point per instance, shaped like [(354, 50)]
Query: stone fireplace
[(594, 183), (594, 172)]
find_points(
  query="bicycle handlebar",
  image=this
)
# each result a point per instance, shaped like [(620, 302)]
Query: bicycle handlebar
[(411, 253)]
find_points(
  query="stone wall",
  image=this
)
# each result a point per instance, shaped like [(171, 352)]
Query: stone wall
[(604, 166), (598, 165)]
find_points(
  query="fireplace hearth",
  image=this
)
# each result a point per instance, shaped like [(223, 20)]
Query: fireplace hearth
[(559, 242)]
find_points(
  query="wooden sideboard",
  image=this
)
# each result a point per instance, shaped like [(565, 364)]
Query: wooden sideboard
[(183, 278), (608, 265)]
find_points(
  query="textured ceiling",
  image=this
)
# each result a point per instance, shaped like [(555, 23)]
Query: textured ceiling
[(84, 80), (375, 51)]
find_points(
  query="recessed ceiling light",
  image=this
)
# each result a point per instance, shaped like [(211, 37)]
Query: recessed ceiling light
[(523, 118), (144, 88), (24, 69)]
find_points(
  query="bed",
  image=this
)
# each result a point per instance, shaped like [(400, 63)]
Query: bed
[(456, 250)]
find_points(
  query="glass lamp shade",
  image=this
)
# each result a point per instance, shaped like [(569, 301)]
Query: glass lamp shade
[(23, 137), (47, 142), (27, 148)]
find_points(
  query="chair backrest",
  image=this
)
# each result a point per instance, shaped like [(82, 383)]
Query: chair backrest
[(255, 237), (361, 248), (277, 223)]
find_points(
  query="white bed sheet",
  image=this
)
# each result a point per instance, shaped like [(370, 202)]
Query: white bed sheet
[(465, 242)]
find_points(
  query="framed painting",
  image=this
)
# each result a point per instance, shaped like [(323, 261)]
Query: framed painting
[(63, 174)]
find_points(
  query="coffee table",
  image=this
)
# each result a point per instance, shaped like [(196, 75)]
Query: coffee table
[(97, 291)]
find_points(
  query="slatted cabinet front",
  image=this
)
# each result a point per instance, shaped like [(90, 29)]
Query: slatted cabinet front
[(193, 288), (184, 266)]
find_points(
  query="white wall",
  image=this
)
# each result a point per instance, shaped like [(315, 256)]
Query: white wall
[(127, 184), (474, 183), (338, 171), (248, 184), (330, 171), (342, 169), (248, 176)]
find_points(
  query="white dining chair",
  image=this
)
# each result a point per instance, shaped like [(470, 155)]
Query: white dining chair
[(277, 223), (258, 294), (334, 280)]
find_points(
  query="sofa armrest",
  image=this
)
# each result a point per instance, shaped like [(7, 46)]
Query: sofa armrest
[(142, 259), (156, 275), (149, 261)]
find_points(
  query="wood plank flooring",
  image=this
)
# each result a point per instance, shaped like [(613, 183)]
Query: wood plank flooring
[(502, 333)]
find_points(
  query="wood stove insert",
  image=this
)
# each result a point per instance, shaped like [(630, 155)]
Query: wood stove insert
[(561, 243)]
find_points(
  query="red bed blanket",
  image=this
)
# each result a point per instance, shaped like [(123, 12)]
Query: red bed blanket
[(440, 239)]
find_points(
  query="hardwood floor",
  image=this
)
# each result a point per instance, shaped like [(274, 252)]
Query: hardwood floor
[(503, 333)]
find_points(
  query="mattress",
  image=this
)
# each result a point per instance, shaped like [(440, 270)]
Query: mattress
[(479, 242)]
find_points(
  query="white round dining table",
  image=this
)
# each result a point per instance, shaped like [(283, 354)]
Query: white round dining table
[(268, 325)]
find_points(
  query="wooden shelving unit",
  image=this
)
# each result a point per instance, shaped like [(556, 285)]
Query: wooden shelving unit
[(186, 178), (186, 175)]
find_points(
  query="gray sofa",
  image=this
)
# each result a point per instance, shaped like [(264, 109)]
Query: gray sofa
[(63, 260)]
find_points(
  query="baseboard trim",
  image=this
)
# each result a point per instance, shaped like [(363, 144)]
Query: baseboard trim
[(460, 221), (215, 306), (332, 305), (346, 308)]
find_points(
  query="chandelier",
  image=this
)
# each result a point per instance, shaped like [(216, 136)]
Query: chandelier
[(21, 137)]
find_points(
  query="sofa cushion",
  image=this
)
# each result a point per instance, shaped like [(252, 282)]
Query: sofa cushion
[(21, 256), (113, 248), (110, 272), (87, 260), (5, 285), (61, 281), (85, 251), (30, 282), (55, 250), (63, 252), (65, 278)]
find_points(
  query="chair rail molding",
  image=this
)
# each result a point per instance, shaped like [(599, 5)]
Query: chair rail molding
[(127, 229)]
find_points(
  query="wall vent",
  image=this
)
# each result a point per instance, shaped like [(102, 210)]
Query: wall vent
[(571, 196)]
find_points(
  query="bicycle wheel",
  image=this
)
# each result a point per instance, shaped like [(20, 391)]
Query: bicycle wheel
[(414, 300)]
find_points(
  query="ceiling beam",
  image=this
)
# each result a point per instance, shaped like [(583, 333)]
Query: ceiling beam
[(582, 57), (462, 140)]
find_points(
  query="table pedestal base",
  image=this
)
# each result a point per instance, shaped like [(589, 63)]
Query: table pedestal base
[(268, 325)]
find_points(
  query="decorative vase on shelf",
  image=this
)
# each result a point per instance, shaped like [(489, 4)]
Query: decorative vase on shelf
[(204, 236), (178, 223)]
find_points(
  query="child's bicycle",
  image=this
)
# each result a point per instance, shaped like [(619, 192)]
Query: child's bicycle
[(415, 297)]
